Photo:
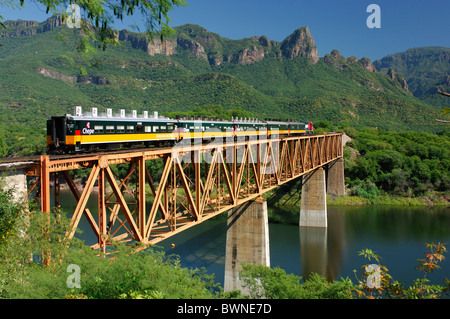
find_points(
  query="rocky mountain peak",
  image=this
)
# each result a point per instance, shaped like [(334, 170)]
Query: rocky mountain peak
[(300, 43)]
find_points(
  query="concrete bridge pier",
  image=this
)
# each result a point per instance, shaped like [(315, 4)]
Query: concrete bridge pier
[(336, 178), (315, 187), (247, 241), (313, 210)]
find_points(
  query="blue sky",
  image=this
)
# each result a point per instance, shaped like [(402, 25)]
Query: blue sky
[(334, 24)]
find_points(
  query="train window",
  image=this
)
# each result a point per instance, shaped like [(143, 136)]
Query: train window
[(163, 128), (130, 129), (155, 129), (148, 129), (120, 129), (170, 127), (109, 129), (139, 128), (98, 128)]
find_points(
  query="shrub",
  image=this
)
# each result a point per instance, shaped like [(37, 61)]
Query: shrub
[(274, 283)]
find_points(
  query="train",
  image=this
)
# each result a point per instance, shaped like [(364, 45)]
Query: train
[(94, 131)]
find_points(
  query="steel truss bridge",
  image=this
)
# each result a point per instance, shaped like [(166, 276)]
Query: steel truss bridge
[(192, 183)]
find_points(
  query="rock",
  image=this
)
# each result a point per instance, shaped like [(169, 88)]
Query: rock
[(52, 23), (99, 80), (248, 56), (397, 77), (140, 41), (367, 64), (194, 47), (300, 43), (336, 59), (57, 75)]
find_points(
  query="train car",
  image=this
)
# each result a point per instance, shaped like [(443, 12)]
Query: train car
[(300, 128), (277, 127), (91, 131), (204, 128), (244, 128)]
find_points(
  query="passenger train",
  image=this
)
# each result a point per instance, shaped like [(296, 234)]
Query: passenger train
[(91, 131)]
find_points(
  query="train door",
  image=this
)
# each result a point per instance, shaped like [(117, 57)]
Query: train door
[(58, 135)]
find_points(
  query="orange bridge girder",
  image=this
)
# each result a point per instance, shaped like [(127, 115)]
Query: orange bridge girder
[(188, 184)]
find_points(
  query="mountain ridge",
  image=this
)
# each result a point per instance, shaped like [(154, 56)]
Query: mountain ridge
[(202, 43), (425, 69), (204, 69)]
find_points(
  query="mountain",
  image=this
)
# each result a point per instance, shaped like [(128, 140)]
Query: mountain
[(426, 71), (191, 69)]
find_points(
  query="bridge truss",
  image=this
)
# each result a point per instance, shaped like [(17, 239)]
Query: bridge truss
[(168, 190)]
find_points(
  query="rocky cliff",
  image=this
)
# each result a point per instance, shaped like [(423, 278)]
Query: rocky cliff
[(424, 69), (152, 47), (28, 28), (194, 40), (300, 43)]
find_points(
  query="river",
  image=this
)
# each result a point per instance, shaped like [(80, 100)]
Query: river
[(397, 234)]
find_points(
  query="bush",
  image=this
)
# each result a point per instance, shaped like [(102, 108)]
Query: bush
[(265, 282), (9, 212)]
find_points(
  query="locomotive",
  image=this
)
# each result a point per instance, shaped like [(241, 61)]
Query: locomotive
[(91, 131)]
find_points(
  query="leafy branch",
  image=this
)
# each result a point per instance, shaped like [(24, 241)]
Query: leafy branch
[(386, 287)]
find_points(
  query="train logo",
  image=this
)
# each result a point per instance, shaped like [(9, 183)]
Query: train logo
[(87, 130)]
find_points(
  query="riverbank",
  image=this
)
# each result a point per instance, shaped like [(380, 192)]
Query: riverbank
[(433, 199), (285, 209)]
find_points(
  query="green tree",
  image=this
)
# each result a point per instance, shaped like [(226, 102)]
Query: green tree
[(274, 283)]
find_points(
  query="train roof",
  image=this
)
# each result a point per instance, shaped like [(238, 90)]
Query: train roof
[(203, 119), (93, 115)]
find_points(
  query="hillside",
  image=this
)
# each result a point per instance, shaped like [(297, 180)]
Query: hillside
[(192, 69), (426, 70)]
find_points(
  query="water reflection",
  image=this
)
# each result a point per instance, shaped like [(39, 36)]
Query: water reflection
[(314, 251), (397, 235), (322, 248)]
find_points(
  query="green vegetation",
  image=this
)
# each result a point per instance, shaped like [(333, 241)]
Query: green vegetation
[(403, 163), (9, 213), (274, 283), (425, 69)]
